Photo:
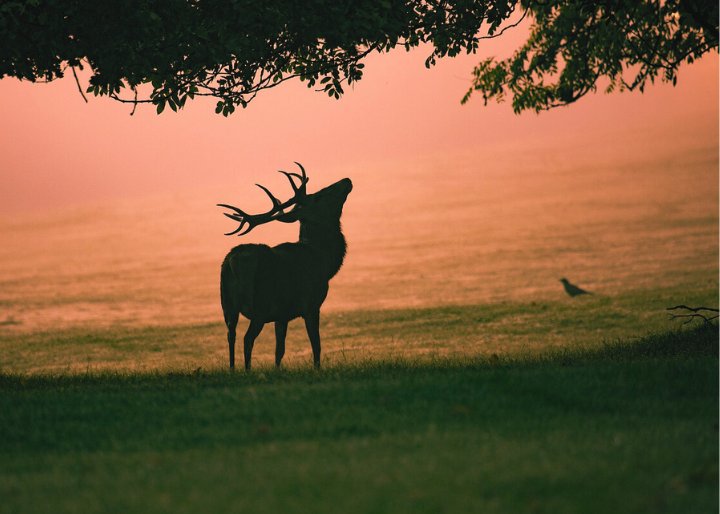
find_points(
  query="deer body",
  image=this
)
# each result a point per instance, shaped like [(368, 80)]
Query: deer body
[(278, 284)]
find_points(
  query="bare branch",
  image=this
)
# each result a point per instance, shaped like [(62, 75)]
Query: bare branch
[(693, 309), (77, 81), (695, 313)]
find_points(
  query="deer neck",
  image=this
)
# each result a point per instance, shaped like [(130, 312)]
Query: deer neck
[(328, 242)]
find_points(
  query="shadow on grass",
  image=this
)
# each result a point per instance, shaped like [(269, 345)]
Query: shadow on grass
[(700, 340)]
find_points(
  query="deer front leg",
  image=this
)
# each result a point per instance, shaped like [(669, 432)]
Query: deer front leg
[(280, 333), (312, 324), (252, 332)]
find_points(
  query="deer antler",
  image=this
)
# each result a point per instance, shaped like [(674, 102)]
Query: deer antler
[(303, 179), (278, 207)]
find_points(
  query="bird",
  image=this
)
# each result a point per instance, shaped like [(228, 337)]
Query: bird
[(572, 289)]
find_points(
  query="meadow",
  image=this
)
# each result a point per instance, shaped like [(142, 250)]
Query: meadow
[(457, 375), (623, 426)]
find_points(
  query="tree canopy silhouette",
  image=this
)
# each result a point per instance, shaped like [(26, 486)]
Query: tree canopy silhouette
[(165, 52)]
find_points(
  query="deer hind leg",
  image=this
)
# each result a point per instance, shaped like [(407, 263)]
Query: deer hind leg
[(280, 333), (252, 332), (312, 325), (231, 322)]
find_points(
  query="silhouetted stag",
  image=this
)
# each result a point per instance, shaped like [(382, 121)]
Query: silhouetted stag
[(290, 280)]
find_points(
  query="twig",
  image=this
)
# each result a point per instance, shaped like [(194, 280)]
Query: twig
[(693, 309), (695, 313), (77, 81), (512, 25), (135, 102)]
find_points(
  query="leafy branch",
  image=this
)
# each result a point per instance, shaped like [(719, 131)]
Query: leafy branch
[(574, 44), (176, 50)]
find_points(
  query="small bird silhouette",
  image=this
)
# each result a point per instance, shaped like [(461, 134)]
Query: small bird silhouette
[(572, 289)]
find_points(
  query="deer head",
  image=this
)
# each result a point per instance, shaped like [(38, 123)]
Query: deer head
[(321, 207)]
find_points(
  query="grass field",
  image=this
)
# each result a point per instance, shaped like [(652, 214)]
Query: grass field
[(506, 329), (457, 375), (595, 424)]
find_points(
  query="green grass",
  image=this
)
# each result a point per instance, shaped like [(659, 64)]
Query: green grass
[(623, 426), (453, 331)]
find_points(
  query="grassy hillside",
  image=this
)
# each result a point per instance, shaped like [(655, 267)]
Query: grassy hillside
[(624, 426)]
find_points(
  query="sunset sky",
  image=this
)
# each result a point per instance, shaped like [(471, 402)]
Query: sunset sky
[(57, 151)]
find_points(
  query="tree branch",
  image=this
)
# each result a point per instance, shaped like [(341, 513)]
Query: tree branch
[(695, 313), (507, 27), (77, 81)]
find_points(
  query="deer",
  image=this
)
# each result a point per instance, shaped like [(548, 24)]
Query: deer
[(288, 281)]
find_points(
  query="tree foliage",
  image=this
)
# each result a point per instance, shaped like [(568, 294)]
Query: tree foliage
[(229, 49), (574, 44), (165, 52)]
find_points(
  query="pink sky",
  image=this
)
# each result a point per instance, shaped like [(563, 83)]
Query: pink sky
[(57, 151)]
